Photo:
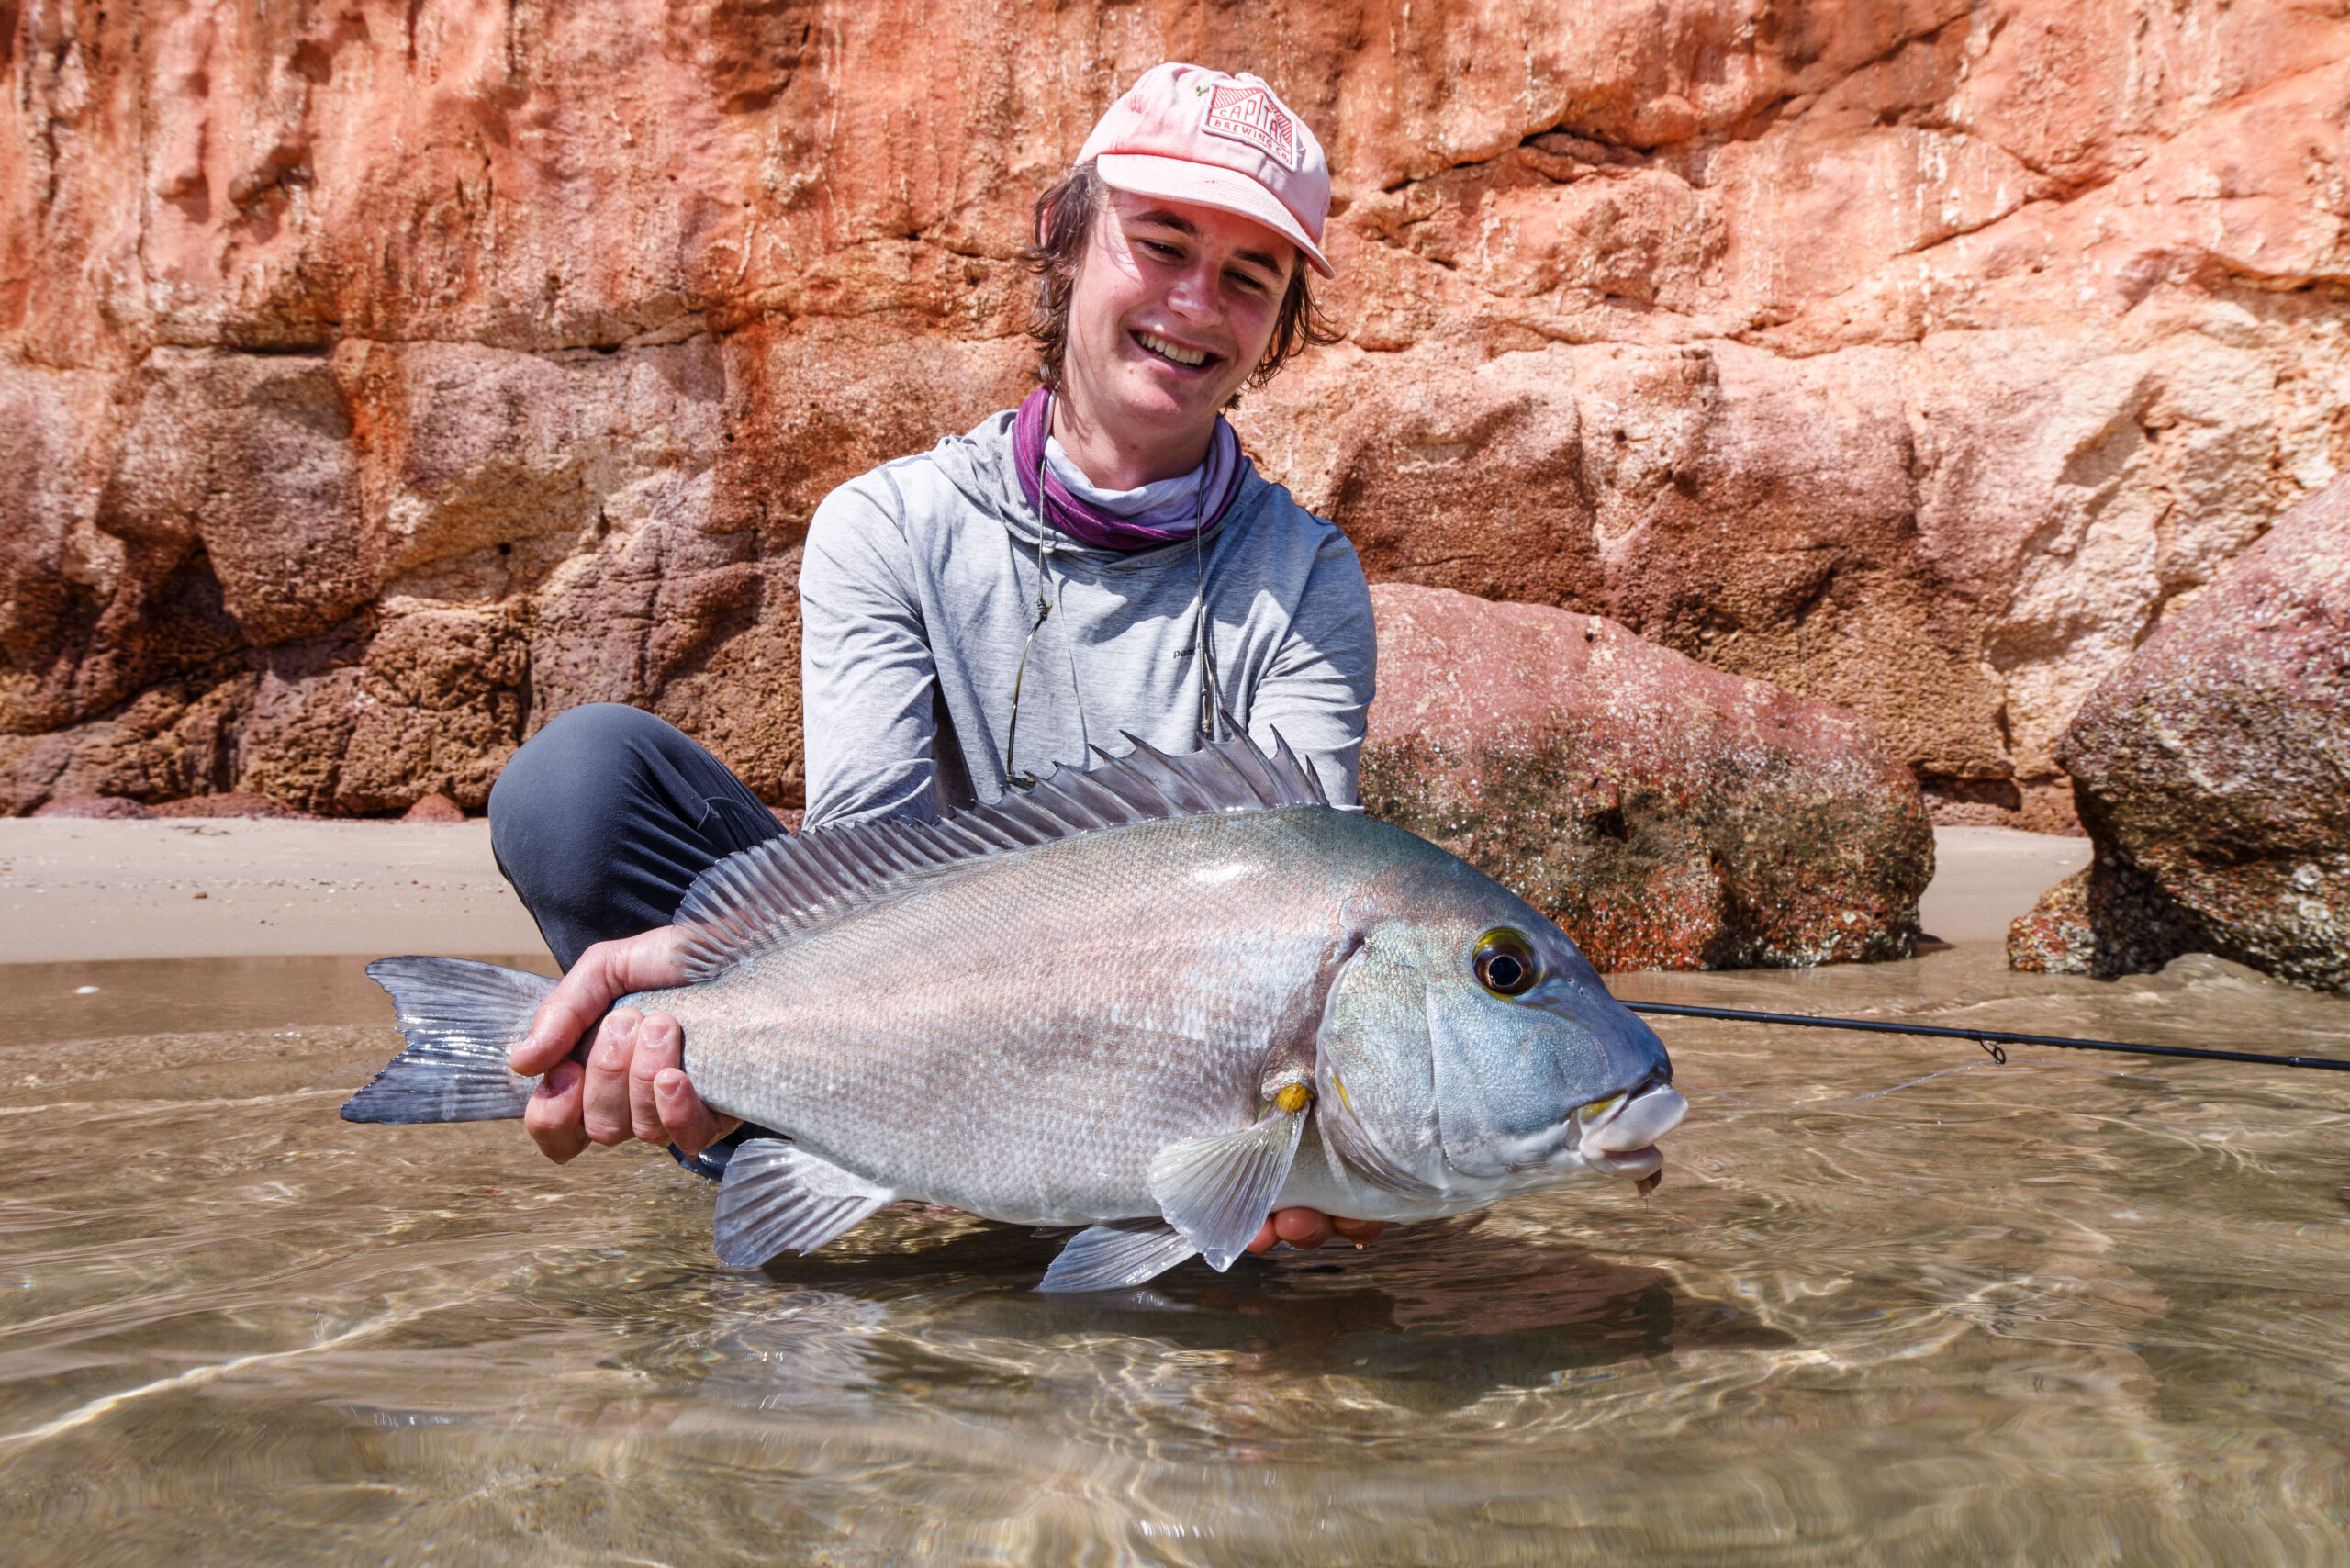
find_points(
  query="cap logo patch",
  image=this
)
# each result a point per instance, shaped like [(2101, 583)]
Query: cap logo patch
[(1252, 114)]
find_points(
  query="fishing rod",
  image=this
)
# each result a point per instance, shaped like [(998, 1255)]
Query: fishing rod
[(1991, 1040)]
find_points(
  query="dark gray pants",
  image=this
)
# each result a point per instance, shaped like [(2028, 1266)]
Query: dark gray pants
[(606, 817), (603, 821)]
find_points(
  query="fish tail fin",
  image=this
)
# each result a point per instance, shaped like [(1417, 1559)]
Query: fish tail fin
[(460, 1018)]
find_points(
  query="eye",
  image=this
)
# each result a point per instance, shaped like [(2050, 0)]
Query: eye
[(1504, 963)]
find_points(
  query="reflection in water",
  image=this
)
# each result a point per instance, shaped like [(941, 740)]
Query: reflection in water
[(1893, 1304)]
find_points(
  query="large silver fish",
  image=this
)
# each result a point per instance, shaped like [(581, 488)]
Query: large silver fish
[(1159, 998)]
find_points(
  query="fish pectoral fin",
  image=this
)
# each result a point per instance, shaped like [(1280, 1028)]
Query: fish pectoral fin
[(1217, 1191), (777, 1196), (1117, 1256)]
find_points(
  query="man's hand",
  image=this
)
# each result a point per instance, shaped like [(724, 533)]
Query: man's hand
[(633, 1083), (1306, 1229)]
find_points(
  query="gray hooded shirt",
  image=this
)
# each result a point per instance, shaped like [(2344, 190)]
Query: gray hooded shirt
[(919, 588)]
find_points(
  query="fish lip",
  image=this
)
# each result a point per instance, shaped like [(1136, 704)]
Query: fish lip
[(1591, 1128), (1658, 1078), (1630, 1164)]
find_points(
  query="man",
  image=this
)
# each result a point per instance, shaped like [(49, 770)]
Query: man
[(1103, 561)]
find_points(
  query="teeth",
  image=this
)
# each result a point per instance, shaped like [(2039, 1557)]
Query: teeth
[(1161, 346)]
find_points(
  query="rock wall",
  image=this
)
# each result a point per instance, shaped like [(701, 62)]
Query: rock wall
[(379, 378)]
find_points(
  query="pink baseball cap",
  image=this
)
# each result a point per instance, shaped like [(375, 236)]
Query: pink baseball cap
[(1190, 134)]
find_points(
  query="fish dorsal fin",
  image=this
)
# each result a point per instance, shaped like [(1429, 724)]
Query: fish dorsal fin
[(771, 895)]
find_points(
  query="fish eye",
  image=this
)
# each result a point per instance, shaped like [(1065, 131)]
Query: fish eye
[(1504, 963)]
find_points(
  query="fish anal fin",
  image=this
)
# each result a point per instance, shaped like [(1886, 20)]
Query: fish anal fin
[(1217, 1191), (777, 1197), (1117, 1256)]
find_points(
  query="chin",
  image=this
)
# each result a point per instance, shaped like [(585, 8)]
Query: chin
[(1145, 397)]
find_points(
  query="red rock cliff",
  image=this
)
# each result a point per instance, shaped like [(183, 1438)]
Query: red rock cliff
[(377, 379)]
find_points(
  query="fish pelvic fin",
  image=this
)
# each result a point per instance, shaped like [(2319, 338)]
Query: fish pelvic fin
[(772, 894), (459, 1019), (1117, 1256), (777, 1197), (1217, 1191)]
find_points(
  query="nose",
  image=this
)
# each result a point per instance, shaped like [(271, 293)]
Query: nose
[(1194, 294)]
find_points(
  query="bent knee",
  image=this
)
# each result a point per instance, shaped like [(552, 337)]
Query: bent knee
[(593, 732), (581, 749), (576, 774)]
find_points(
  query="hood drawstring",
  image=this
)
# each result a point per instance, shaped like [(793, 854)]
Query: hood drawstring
[(1202, 629)]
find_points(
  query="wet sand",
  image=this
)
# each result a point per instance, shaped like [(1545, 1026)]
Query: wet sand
[(1986, 876), (74, 890)]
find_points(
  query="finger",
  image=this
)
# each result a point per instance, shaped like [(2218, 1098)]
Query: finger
[(552, 1117), (1360, 1231), (569, 1010), (660, 1048), (604, 1101), (1305, 1229), (605, 972), (693, 1126), (1265, 1239)]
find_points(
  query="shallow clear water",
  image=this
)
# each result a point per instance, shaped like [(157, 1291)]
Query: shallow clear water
[(1892, 1303)]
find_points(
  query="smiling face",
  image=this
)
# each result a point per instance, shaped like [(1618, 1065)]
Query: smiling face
[(1173, 309)]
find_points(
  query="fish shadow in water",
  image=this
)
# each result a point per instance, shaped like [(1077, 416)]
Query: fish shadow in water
[(1444, 1306)]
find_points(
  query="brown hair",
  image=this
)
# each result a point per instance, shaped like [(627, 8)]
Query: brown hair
[(1064, 219)]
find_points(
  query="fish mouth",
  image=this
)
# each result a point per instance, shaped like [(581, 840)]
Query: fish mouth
[(1617, 1135)]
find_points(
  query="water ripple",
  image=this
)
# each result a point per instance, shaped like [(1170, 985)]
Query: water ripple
[(1891, 1306)]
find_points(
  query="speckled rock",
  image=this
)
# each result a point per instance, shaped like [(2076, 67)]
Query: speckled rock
[(2213, 776), (1668, 815)]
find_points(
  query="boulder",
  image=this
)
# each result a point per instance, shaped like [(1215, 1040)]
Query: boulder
[(1667, 815), (2211, 771), (434, 808)]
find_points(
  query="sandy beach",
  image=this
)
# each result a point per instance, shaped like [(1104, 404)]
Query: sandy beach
[(81, 890)]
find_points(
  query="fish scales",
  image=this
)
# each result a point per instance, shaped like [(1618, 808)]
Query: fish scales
[(1159, 998), (1000, 1039)]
